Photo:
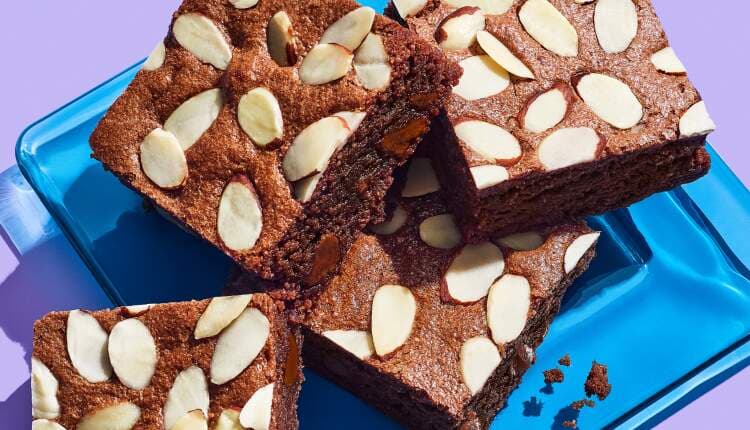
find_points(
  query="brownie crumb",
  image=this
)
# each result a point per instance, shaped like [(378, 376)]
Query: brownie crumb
[(565, 361), (598, 381), (570, 424), (579, 404), (553, 376)]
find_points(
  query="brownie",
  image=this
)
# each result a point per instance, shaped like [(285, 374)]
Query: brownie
[(597, 383), (553, 376), (222, 363), (271, 128), (565, 109)]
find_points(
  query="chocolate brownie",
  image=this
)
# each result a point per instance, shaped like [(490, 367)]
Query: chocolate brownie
[(271, 128), (565, 109), (213, 364), (597, 383), (553, 376)]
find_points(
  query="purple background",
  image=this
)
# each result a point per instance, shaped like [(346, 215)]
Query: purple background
[(52, 51)]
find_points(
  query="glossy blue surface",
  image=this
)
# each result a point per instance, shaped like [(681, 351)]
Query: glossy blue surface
[(666, 304)]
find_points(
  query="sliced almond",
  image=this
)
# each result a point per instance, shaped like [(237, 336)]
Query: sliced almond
[(371, 63), (156, 59), (482, 78), (189, 121), (189, 393), (696, 121), (45, 425), (479, 358), (282, 45), (202, 38), (243, 4), (304, 188), (578, 248), (44, 386), (616, 24), (508, 304), (259, 116), (325, 63), (666, 61), (488, 140), (459, 29), (358, 342), (440, 231), (137, 310), (132, 351), (314, 146), (549, 27), (488, 176), (121, 416), (229, 420), (503, 56), (87, 347), (350, 30), (522, 241), (163, 160), (420, 178), (611, 100), (407, 8), (394, 224), (240, 218), (489, 7), (238, 345), (546, 110), (472, 272), (569, 146), (193, 420), (256, 414), (392, 318), (352, 119), (219, 313)]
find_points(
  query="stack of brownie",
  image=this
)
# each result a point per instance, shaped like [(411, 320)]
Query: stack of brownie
[(422, 279)]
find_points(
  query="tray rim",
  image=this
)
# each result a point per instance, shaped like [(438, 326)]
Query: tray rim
[(646, 414)]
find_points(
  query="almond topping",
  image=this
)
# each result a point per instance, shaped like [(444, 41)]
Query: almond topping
[(490, 141), (240, 219), (549, 27), (440, 231), (503, 56), (482, 78), (420, 178), (666, 61), (189, 121), (508, 304), (202, 38), (393, 312), (696, 121), (259, 116), (325, 63), (87, 347), (238, 345), (282, 45), (611, 100), (350, 30), (578, 248), (546, 110), (44, 386), (459, 29), (121, 416), (189, 393), (132, 351), (156, 59), (488, 176), (219, 313), (616, 24), (522, 241), (357, 342), (407, 8), (163, 160), (569, 146), (479, 358), (256, 414), (314, 146), (371, 63), (472, 272)]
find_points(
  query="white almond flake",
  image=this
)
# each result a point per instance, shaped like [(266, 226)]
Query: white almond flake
[(121, 416), (488, 176), (696, 121), (243, 4), (350, 30), (522, 241), (189, 121), (479, 358), (482, 78), (352, 119), (392, 318), (611, 100), (459, 29), (163, 160), (87, 347), (488, 140), (489, 7), (156, 59), (314, 146), (136, 310), (189, 393), (569, 146), (371, 63), (260, 117), (282, 45), (194, 420), (44, 386), (229, 420), (45, 425), (616, 24), (508, 304), (473, 271), (304, 188), (407, 8), (357, 342), (238, 345), (398, 220), (202, 38), (132, 351), (549, 27), (420, 178), (219, 313), (256, 414), (503, 56), (578, 248), (440, 231), (325, 63), (666, 61), (545, 111), (240, 218)]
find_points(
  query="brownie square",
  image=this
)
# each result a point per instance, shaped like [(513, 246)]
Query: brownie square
[(271, 128), (565, 109), (216, 364)]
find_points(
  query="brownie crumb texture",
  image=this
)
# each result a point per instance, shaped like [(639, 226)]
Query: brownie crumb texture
[(597, 382), (565, 361), (553, 376), (580, 404), (570, 424)]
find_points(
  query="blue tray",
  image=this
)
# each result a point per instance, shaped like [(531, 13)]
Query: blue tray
[(666, 304)]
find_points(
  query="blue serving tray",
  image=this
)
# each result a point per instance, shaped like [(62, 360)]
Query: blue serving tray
[(666, 304)]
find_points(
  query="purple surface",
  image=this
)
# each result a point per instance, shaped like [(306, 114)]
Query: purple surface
[(54, 51)]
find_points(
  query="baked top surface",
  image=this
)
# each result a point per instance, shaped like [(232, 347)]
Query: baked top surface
[(663, 97), (160, 340), (429, 360)]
